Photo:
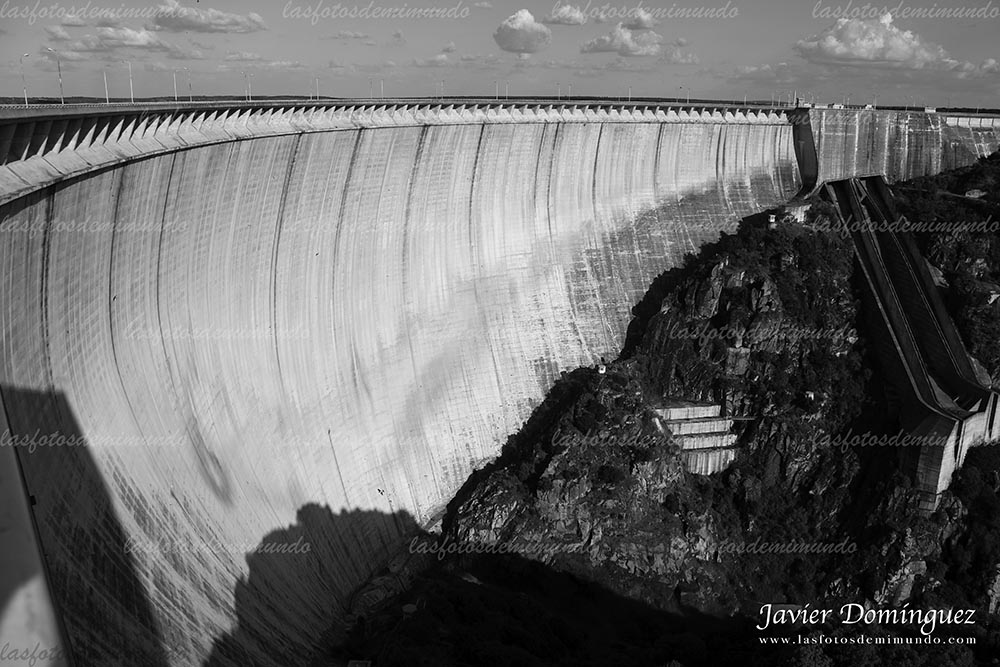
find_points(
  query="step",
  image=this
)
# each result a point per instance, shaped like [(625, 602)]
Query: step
[(699, 425), (708, 462), (689, 412), (716, 440)]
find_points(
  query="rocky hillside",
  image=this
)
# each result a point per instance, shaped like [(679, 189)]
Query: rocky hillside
[(593, 495)]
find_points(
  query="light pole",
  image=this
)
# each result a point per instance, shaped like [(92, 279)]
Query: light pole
[(190, 90), (317, 89), (558, 90), (250, 87), (381, 88), (24, 85), (131, 92), (107, 98), (246, 98), (569, 93), (62, 98), (496, 84), (175, 85), (371, 89), (506, 89)]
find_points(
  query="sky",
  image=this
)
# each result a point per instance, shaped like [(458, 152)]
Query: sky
[(926, 54)]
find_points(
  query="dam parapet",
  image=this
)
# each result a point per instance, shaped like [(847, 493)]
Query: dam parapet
[(38, 151)]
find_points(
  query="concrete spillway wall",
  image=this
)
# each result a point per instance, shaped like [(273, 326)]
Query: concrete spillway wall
[(897, 144), (314, 337)]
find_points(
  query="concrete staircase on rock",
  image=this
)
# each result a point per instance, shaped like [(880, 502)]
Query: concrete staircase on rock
[(706, 438)]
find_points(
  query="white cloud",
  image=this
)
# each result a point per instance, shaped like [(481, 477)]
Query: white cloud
[(258, 65), (566, 15), (448, 48), (877, 43), (482, 61), (348, 35), (49, 58), (57, 33), (440, 60), (244, 56), (73, 21), (625, 42), (108, 40), (140, 39), (643, 21), (520, 33), (674, 56), (483, 5), (173, 17)]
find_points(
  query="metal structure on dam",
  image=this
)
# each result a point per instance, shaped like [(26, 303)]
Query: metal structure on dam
[(306, 324)]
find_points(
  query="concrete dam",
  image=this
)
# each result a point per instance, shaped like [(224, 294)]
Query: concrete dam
[(302, 326)]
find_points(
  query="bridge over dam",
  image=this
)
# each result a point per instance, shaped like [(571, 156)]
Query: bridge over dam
[(235, 325)]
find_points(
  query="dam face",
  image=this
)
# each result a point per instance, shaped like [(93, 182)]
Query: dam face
[(899, 145), (312, 339)]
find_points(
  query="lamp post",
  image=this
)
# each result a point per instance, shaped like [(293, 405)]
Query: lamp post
[(24, 85), (558, 90), (250, 87), (246, 97), (131, 92), (62, 97), (496, 85), (190, 90), (569, 92), (107, 98), (506, 90), (317, 89), (175, 85), (381, 88)]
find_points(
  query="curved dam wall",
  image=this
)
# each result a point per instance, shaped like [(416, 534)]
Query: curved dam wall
[(897, 144), (308, 341)]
